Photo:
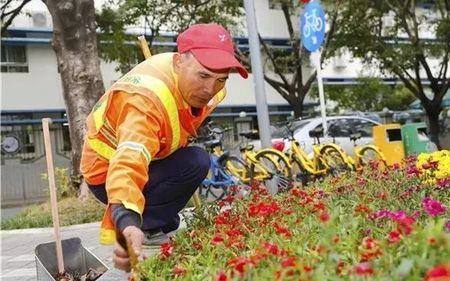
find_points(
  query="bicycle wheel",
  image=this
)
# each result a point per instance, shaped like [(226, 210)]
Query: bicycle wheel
[(334, 159), (235, 167), (218, 193), (299, 173), (371, 156), (211, 193), (276, 168)]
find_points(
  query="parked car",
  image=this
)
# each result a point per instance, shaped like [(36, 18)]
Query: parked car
[(339, 129)]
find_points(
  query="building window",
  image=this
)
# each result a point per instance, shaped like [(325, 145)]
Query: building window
[(14, 59)]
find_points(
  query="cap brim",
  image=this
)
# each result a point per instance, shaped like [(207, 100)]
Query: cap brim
[(218, 59)]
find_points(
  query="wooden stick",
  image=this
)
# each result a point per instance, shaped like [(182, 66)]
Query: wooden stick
[(144, 47), (196, 199), (52, 186)]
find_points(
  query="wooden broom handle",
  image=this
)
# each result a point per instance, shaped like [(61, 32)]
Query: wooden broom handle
[(144, 47), (52, 187)]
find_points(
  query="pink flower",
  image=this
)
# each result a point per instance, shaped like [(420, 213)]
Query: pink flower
[(433, 207), (363, 269), (443, 183), (447, 226)]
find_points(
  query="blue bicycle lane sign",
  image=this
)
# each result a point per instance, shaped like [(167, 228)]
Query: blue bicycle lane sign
[(312, 26)]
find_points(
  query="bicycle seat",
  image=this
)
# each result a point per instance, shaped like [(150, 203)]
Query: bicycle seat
[(355, 136), (212, 143), (246, 147), (253, 134), (316, 133)]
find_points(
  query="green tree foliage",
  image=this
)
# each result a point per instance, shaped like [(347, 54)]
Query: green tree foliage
[(370, 94), (404, 39), (156, 17)]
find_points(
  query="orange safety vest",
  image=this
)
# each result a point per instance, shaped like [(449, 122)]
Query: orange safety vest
[(155, 80)]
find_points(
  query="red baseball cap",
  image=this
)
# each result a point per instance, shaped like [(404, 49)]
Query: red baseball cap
[(212, 46)]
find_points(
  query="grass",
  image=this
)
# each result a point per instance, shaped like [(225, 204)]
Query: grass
[(71, 211)]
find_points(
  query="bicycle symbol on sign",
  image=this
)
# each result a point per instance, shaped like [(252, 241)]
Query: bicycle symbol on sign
[(313, 23)]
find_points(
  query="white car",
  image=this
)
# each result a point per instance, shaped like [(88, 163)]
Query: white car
[(339, 130)]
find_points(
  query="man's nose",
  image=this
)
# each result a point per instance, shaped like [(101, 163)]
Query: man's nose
[(209, 88)]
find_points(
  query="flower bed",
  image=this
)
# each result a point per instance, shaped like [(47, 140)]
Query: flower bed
[(381, 226)]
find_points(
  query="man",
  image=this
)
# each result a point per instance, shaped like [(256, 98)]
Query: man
[(135, 157)]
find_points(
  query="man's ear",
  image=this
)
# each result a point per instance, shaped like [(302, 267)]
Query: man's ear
[(177, 62)]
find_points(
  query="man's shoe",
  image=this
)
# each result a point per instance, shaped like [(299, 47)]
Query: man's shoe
[(155, 238)]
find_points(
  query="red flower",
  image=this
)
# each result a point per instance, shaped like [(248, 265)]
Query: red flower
[(432, 240), (263, 209), (271, 248), (324, 216), (395, 235), (217, 238), (166, 250), (178, 271), (307, 268), (438, 273), (239, 263), (361, 208), (319, 206), (282, 230), (221, 276), (233, 232), (363, 269), (305, 1), (340, 267), (288, 262), (396, 166)]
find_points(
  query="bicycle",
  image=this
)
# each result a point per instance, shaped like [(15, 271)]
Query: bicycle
[(219, 180), (365, 155), (268, 166), (326, 159)]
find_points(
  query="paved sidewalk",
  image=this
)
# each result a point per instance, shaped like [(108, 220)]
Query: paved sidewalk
[(17, 250)]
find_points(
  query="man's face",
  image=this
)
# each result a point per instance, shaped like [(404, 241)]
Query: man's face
[(197, 84)]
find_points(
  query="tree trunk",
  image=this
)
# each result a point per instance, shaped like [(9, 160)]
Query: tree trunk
[(433, 119), (297, 103), (75, 45)]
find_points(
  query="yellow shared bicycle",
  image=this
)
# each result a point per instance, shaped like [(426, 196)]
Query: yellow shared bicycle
[(268, 166), (366, 155), (326, 158)]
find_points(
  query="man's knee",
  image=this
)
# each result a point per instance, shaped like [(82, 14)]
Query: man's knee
[(198, 160)]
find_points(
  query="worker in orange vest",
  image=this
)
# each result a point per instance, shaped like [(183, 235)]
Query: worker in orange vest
[(135, 157)]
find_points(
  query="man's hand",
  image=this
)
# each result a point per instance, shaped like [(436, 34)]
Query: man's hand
[(135, 237)]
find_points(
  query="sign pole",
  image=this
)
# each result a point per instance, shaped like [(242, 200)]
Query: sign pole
[(315, 57)]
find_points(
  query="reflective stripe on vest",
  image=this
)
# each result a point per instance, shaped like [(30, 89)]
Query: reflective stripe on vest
[(137, 147), (159, 88), (165, 96)]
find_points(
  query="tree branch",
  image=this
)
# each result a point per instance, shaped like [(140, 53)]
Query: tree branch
[(279, 87), (272, 59), (13, 13)]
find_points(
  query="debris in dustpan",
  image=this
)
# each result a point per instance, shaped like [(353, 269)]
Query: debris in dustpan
[(91, 275)]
